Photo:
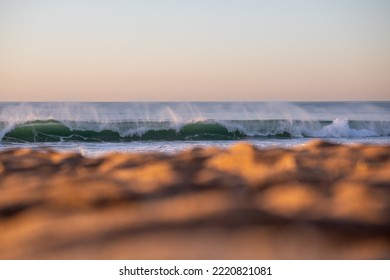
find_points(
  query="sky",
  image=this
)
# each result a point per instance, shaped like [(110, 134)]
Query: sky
[(194, 50)]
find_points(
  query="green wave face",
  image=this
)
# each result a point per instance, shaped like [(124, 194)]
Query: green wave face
[(55, 131)]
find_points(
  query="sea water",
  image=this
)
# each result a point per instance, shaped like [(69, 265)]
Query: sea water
[(97, 128)]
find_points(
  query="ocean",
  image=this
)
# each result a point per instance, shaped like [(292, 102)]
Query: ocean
[(97, 128)]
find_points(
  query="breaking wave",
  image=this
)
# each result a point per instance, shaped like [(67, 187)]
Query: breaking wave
[(52, 130)]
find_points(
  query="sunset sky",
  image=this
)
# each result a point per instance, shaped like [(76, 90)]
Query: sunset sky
[(194, 50)]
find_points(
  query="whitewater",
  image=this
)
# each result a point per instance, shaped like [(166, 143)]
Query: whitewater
[(96, 128)]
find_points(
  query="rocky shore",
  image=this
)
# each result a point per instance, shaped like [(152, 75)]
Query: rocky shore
[(318, 201)]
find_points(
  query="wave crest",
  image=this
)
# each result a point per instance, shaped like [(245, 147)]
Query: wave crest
[(55, 131)]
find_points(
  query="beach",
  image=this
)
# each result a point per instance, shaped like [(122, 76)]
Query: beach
[(315, 201)]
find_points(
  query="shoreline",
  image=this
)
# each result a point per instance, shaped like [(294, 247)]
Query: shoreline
[(318, 201)]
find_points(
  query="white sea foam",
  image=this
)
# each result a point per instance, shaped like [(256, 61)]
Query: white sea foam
[(340, 128)]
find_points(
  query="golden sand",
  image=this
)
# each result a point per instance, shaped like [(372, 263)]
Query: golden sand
[(319, 201)]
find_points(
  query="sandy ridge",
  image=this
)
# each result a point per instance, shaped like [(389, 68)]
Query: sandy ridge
[(320, 200)]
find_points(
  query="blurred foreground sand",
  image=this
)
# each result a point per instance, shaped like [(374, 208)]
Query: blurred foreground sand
[(319, 201)]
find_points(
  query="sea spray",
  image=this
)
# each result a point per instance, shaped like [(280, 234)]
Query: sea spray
[(208, 121)]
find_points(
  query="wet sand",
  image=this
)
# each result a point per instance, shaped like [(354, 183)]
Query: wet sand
[(318, 201)]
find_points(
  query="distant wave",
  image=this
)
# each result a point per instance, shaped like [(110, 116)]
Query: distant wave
[(57, 131)]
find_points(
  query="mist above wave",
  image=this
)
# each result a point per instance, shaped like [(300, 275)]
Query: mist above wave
[(189, 121)]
